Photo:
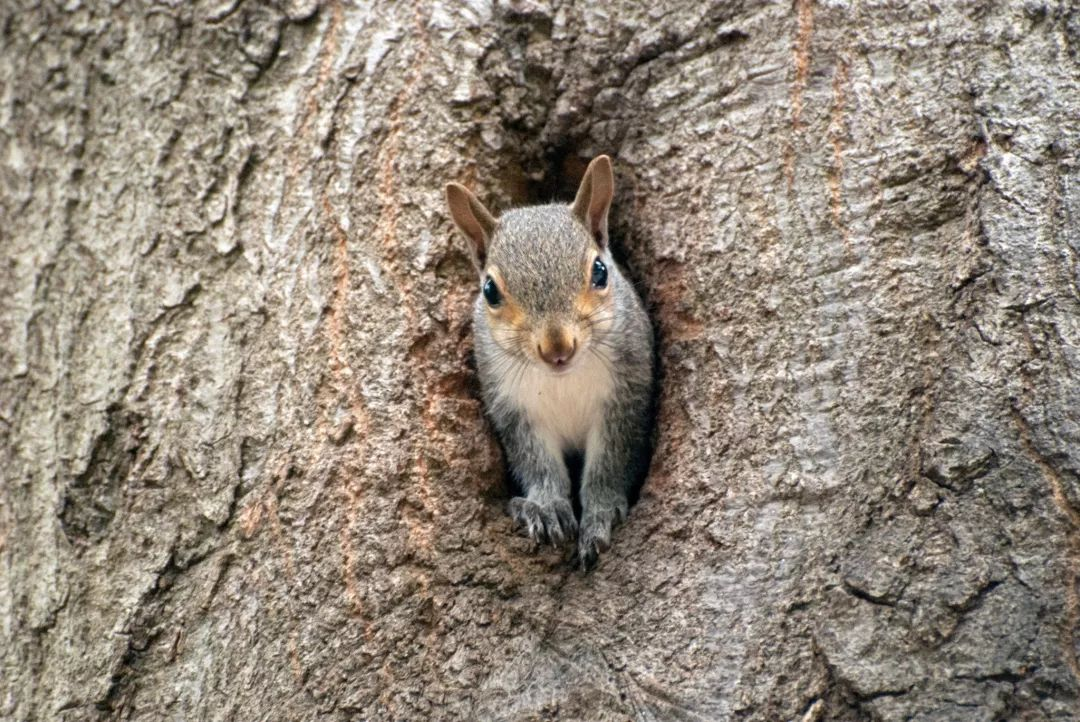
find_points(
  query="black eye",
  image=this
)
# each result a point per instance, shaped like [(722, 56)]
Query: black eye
[(599, 274), (491, 292)]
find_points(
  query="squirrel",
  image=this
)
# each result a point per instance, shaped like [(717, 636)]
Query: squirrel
[(564, 354)]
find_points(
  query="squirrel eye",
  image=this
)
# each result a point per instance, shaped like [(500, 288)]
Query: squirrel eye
[(491, 292), (599, 274)]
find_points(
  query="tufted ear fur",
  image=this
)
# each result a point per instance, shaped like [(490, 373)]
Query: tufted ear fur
[(472, 219), (594, 198)]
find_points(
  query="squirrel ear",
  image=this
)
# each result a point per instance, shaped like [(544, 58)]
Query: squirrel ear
[(594, 198), (472, 219)]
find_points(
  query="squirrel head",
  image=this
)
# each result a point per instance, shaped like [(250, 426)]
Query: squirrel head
[(545, 272)]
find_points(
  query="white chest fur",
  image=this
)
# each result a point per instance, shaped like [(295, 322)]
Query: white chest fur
[(563, 408)]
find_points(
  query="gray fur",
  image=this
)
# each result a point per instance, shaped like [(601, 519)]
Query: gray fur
[(541, 253)]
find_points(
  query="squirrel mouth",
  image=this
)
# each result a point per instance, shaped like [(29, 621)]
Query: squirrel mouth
[(563, 369)]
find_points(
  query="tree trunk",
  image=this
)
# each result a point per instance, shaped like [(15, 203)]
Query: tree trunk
[(246, 474)]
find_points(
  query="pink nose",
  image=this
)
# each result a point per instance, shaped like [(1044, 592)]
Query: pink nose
[(557, 355)]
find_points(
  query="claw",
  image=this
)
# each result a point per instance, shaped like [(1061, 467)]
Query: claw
[(555, 535), (566, 519), (552, 523), (588, 558), (595, 534)]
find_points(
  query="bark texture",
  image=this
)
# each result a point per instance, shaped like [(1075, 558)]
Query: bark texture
[(245, 472)]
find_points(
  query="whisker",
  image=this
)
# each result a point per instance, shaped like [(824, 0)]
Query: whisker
[(510, 371), (523, 366), (604, 360), (593, 323), (604, 339)]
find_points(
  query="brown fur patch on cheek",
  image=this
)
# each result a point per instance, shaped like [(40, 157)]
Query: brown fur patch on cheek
[(508, 319), (593, 307), (591, 302), (509, 322), (509, 314)]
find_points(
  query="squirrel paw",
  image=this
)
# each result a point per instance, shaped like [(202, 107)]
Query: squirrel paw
[(595, 534), (544, 522)]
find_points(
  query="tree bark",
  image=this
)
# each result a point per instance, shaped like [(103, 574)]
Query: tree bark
[(246, 474)]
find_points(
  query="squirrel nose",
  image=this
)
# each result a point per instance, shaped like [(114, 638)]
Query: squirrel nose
[(557, 349)]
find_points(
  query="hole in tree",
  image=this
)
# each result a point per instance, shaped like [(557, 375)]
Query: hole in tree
[(555, 178)]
